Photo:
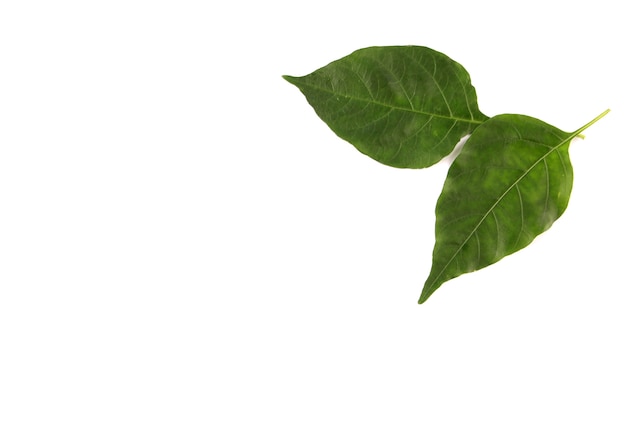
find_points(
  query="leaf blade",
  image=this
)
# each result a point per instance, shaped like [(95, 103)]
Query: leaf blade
[(512, 180), (404, 106)]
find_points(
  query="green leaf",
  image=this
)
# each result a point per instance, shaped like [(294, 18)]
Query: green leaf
[(510, 182), (404, 106)]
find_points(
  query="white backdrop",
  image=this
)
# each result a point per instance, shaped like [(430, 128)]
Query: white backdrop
[(184, 244)]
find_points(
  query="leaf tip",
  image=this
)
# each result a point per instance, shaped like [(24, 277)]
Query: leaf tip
[(290, 79), (424, 296)]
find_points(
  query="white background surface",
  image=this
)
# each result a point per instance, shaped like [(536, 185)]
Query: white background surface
[(184, 244)]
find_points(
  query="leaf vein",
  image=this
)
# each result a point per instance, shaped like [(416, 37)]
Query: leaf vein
[(373, 100)]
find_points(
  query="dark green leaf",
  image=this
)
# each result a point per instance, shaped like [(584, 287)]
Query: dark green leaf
[(510, 182), (404, 106)]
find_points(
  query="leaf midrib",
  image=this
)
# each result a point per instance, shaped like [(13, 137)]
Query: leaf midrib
[(374, 101)]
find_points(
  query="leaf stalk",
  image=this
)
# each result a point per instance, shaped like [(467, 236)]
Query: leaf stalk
[(596, 119)]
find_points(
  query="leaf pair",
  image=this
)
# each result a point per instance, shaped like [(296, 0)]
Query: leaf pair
[(408, 107)]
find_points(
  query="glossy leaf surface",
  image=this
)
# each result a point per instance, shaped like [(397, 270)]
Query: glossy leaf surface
[(404, 106), (510, 182)]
